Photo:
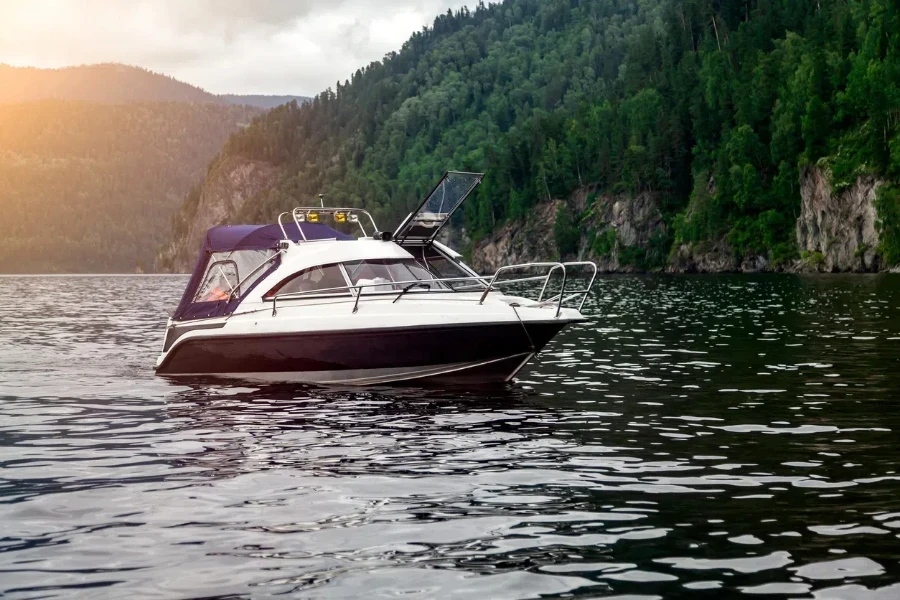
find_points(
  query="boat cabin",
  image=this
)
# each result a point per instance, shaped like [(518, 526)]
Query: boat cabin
[(307, 258)]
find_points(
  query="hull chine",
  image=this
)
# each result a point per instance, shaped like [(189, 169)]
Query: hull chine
[(489, 372)]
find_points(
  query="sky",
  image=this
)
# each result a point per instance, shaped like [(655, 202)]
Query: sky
[(295, 47)]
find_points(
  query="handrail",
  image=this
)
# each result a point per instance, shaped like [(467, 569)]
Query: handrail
[(291, 295), (553, 266), (574, 294), (590, 285), (284, 233), (547, 279), (559, 299)]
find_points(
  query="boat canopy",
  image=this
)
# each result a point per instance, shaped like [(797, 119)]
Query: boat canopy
[(234, 258)]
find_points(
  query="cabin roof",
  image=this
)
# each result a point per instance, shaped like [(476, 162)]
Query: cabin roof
[(226, 238), (304, 256)]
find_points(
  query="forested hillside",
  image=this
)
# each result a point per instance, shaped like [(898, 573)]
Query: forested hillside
[(712, 106), (89, 187), (260, 100)]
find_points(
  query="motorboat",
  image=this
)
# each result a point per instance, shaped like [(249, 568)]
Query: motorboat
[(325, 296)]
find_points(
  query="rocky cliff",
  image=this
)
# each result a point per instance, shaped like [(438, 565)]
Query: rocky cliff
[(615, 231), (518, 242), (836, 230), (229, 184), (707, 257)]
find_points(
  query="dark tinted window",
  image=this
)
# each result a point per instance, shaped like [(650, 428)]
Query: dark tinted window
[(441, 267), (324, 278)]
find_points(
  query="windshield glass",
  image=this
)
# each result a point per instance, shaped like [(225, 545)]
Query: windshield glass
[(389, 275), (327, 278), (442, 267), (436, 210)]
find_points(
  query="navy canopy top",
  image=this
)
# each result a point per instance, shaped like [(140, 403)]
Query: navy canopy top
[(230, 238), (227, 238)]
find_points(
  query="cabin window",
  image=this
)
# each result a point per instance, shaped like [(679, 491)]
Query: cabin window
[(224, 273), (388, 275), (442, 267), (220, 281), (327, 279)]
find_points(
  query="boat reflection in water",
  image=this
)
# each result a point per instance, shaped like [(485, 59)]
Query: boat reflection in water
[(341, 431)]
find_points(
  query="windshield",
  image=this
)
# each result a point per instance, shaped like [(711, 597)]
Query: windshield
[(389, 275), (327, 279), (436, 210), (442, 267)]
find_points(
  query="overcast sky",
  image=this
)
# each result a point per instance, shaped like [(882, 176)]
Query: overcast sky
[(224, 46)]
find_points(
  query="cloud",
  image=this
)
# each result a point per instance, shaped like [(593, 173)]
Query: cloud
[(224, 46)]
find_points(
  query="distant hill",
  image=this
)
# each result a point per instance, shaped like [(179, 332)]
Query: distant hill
[(92, 187), (260, 101), (108, 83), (113, 83), (95, 159)]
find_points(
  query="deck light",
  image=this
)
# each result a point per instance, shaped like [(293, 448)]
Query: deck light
[(353, 218), (301, 218), (312, 217), (340, 217)]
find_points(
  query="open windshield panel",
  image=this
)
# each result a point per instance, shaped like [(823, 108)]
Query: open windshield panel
[(435, 211)]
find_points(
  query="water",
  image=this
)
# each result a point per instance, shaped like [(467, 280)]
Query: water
[(702, 437)]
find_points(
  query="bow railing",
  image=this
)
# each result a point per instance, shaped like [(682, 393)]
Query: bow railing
[(483, 284)]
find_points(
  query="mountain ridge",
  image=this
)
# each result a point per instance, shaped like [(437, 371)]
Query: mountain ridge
[(115, 83)]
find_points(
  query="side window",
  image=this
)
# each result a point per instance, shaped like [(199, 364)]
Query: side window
[(220, 280), (420, 272), (385, 275), (441, 266), (325, 279), (374, 275)]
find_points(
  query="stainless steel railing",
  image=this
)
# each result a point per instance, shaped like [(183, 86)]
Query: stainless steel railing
[(553, 267), (406, 286), (301, 214)]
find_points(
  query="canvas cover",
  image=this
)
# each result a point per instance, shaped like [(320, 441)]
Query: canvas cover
[(236, 250)]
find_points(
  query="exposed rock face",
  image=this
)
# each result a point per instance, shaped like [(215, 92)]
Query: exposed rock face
[(707, 257), (228, 186), (837, 231), (629, 221), (519, 241)]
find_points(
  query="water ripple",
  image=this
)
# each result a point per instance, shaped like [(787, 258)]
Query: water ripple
[(717, 437)]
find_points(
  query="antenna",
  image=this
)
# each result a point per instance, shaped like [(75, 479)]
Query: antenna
[(322, 200)]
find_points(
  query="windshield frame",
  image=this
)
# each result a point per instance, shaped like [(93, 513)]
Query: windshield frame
[(423, 224)]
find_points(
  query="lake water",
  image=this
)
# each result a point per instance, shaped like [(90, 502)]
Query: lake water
[(701, 437)]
